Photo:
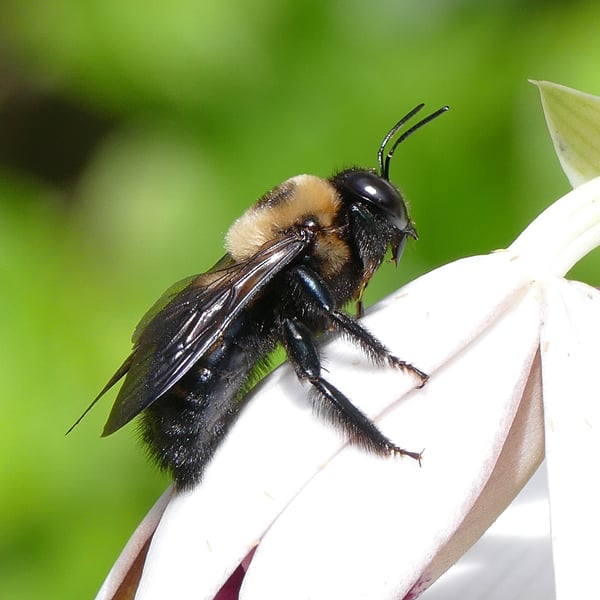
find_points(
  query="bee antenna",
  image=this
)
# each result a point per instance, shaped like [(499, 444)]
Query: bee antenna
[(384, 166), (389, 135)]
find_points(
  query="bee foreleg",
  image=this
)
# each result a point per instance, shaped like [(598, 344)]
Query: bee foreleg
[(371, 346), (320, 295), (332, 403)]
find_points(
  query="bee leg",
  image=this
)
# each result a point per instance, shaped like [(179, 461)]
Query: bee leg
[(314, 285), (371, 346), (303, 355)]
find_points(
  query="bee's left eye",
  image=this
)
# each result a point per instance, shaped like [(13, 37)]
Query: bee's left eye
[(377, 192)]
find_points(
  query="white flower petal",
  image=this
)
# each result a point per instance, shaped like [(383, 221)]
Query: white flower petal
[(563, 234), (361, 505), (570, 343), (573, 119), (134, 549), (522, 452), (514, 557), (275, 448)]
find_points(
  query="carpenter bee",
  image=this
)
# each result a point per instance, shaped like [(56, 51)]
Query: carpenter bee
[(294, 259)]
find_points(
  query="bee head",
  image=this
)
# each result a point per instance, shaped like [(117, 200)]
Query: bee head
[(378, 213), (376, 195)]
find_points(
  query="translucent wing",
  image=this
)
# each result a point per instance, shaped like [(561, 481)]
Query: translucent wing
[(190, 324), (183, 325), (223, 264)]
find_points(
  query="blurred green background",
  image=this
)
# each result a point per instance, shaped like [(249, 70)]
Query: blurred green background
[(132, 134)]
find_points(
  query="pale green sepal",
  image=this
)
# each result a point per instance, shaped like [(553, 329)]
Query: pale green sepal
[(573, 119)]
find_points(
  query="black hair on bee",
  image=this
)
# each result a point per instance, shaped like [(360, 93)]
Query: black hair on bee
[(294, 259)]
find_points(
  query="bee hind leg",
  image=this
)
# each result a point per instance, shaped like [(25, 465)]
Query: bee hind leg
[(330, 402)]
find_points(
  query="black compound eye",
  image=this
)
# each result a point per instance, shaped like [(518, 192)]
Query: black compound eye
[(376, 192)]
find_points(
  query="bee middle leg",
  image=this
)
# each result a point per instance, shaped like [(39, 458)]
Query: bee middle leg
[(302, 353)]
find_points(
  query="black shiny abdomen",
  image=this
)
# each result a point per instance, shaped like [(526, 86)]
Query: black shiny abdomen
[(183, 428)]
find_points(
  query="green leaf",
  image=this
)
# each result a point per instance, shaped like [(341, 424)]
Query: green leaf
[(573, 119)]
